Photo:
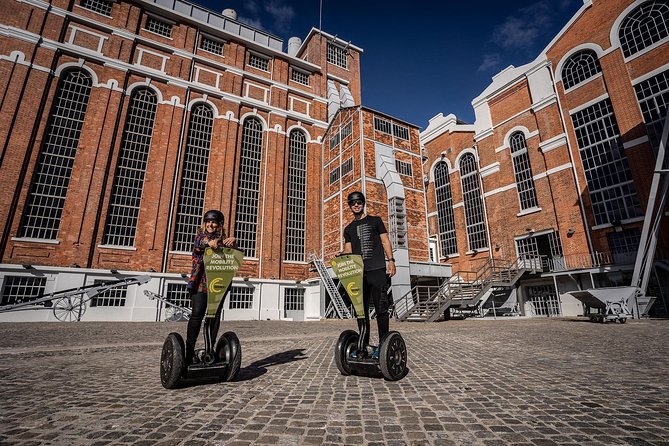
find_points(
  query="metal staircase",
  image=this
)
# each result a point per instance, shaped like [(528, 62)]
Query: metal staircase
[(466, 290), (336, 300)]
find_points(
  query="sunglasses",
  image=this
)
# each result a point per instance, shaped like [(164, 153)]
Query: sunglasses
[(355, 203)]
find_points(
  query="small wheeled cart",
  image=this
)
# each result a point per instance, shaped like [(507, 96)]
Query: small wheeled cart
[(219, 359), (351, 355), (606, 304)]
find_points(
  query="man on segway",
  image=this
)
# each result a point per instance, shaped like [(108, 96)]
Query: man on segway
[(367, 236)]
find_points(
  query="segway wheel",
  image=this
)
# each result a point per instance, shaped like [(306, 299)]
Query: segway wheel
[(347, 342), (172, 361), (393, 357), (229, 349)]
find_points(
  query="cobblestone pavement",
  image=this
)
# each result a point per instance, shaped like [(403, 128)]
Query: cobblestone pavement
[(473, 382)]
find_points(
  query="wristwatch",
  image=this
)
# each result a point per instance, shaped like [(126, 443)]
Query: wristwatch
[(391, 259)]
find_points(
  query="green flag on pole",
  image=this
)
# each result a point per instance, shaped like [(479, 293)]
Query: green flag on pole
[(349, 269), (220, 266)]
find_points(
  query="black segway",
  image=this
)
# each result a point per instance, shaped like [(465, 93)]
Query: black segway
[(392, 360), (222, 361)]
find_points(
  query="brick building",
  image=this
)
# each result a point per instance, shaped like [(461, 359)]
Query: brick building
[(558, 164), (125, 120)]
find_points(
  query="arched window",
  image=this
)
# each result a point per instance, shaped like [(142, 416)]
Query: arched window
[(296, 196), (248, 190), (580, 67), (44, 207), (190, 205), (126, 196), (646, 24), (523, 171), (471, 194), (448, 244)]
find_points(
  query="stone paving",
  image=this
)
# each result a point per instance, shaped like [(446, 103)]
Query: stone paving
[(472, 382)]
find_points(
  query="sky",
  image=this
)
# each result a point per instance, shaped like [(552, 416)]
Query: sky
[(421, 57)]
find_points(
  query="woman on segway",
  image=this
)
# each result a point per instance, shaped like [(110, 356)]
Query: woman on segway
[(210, 234)]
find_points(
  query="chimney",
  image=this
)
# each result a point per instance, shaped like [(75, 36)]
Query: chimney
[(230, 13), (294, 44)]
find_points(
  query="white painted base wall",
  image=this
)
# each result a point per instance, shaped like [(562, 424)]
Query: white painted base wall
[(268, 296)]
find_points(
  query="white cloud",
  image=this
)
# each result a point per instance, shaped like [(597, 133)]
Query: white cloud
[(520, 30), (489, 62), (282, 15)]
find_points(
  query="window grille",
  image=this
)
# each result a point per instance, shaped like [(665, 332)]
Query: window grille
[(401, 132), (103, 7), (382, 125), (523, 171), (580, 67), (404, 168), (653, 97), (241, 298), (158, 26), (211, 45), (347, 166), (334, 175), (476, 230), (334, 141), (645, 25), (178, 294), (624, 245), (337, 55), (299, 76), (446, 220), (246, 212), (113, 297), (20, 289), (527, 247), (296, 196), (607, 171), (293, 299), (259, 62), (346, 130), (126, 195), (44, 208), (190, 205)]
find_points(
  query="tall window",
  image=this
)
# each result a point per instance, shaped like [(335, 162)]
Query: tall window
[(476, 231), (653, 97), (580, 67), (297, 196), (647, 24), (448, 243), (607, 171), (522, 171), (126, 194), (336, 55), (193, 176), (246, 214), (44, 207)]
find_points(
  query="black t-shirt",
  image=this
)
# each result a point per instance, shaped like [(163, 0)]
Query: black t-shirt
[(365, 239)]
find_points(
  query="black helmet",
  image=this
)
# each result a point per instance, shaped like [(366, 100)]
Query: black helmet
[(356, 196), (214, 215)]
